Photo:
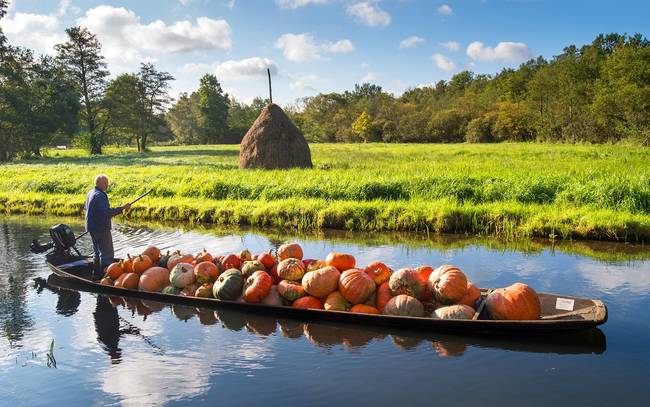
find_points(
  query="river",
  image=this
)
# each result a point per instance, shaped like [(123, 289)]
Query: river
[(114, 351)]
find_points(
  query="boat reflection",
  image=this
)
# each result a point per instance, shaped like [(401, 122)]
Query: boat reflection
[(328, 334)]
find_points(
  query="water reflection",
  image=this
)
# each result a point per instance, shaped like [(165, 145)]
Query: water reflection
[(326, 335), (114, 350)]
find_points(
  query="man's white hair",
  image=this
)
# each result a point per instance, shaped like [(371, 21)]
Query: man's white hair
[(101, 177)]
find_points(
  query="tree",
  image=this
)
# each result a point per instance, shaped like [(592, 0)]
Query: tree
[(361, 126), (124, 101), (3, 39), (183, 119), (622, 93), (365, 90), (82, 59), (213, 106), (154, 96)]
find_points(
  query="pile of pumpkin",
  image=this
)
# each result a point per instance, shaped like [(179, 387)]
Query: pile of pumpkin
[(334, 284)]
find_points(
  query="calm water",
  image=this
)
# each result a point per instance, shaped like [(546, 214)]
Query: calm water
[(112, 351)]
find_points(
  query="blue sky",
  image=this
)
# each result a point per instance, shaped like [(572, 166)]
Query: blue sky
[(317, 46)]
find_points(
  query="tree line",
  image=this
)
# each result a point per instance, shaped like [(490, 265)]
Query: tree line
[(596, 93)]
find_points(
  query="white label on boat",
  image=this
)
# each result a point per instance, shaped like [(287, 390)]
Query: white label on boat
[(564, 304)]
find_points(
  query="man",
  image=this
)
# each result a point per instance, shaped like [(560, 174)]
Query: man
[(98, 222)]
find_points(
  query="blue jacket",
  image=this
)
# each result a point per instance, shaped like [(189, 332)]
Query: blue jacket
[(98, 211)]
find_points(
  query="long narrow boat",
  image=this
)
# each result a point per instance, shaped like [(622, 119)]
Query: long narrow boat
[(559, 313)]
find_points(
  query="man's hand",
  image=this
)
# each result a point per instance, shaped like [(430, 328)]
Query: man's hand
[(126, 207)]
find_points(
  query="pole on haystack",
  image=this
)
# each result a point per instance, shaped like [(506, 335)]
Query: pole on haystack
[(268, 71)]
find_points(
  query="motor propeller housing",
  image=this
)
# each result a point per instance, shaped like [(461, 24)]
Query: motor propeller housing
[(63, 239)]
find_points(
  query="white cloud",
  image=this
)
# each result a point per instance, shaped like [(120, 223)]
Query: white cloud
[(445, 10), (230, 4), (233, 70), (504, 51), (39, 32), (249, 68), (302, 84), (370, 77), (365, 65), (411, 41), (294, 4), (369, 13), (338, 47), (126, 40), (443, 62), (303, 47), (298, 47), (451, 45), (184, 2)]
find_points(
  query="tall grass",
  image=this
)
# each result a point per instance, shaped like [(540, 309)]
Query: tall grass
[(507, 190)]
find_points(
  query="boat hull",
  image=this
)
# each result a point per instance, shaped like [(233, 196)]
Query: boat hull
[(591, 314)]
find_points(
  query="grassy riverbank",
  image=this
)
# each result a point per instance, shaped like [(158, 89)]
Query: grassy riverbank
[(508, 190)]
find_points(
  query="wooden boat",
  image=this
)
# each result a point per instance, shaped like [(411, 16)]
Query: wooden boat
[(559, 313)]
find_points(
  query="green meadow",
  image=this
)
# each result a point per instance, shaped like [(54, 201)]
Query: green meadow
[(505, 190)]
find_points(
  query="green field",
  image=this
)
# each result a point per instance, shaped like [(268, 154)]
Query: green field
[(507, 190)]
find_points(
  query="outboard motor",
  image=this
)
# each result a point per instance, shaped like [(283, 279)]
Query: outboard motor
[(63, 239)]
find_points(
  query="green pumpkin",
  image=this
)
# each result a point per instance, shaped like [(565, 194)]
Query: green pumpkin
[(250, 267), (229, 285), (163, 260), (170, 289)]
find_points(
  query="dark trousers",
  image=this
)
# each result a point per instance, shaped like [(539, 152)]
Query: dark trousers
[(103, 247)]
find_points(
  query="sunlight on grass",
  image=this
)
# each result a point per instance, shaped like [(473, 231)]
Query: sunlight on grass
[(500, 189)]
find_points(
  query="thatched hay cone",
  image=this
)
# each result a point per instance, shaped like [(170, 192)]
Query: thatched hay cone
[(274, 142)]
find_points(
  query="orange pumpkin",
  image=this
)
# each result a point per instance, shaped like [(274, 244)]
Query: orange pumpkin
[(257, 286), (141, 264), (308, 302), (471, 296), (364, 309), (290, 250), (154, 279), (204, 291), (356, 286), (291, 269), (203, 256), (118, 283), (424, 271), (231, 261), (127, 265), (409, 282), (153, 252), (378, 271), (448, 284), (245, 255), (130, 281), (516, 302), (179, 258), (266, 259), (106, 281), (114, 270), (315, 265), (383, 296), (206, 269), (341, 261), (290, 290), (320, 283), (336, 302)]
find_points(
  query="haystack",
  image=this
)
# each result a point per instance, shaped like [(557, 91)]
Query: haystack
[(274, 142)]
